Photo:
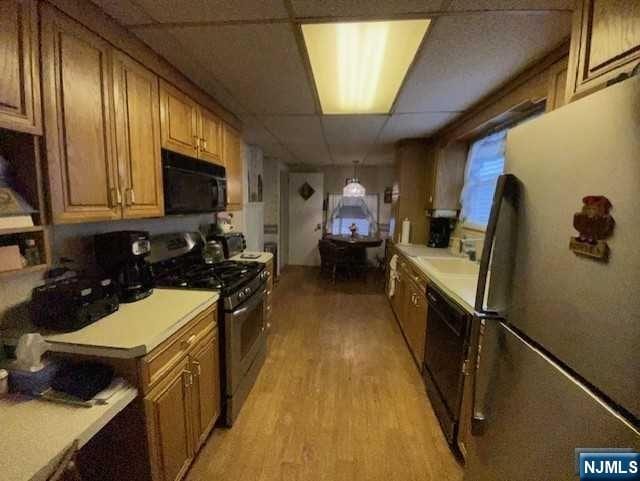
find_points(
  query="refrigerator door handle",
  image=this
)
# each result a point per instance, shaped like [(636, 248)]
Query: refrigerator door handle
[(505, 186), (480, 409)]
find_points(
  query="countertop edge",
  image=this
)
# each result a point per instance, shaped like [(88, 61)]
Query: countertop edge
[(434, 278)]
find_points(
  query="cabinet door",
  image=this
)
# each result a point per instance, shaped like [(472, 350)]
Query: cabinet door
[(206, 388), (137, 119), (77, 96), (233, 162), (605, 42), (210, 129), (19, 68), (417, 324), (168, 412), (178, 121)]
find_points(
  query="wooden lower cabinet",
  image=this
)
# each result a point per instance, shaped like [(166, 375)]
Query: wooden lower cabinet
[(169, 420), (183, 401), (409, 303), (268, 298), (205, 366)]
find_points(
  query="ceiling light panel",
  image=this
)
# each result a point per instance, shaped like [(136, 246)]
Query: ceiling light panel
[(358, 67)]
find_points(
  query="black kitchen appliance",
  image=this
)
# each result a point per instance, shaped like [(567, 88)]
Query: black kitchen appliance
[(191, 185), (233, 243), (73, 303), (178, 263), (440, 231), (122, 256), (446, 352)]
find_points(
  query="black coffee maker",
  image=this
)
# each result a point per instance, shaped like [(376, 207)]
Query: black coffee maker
[(122, 256), (440, 231)]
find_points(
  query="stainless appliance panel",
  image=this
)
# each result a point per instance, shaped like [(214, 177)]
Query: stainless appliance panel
[(584, 312), (535, 415), (244, 331)]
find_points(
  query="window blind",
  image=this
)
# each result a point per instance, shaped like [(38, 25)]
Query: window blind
[(485, 163)]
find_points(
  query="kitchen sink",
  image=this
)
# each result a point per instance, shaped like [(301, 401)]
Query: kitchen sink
[(451, 266)]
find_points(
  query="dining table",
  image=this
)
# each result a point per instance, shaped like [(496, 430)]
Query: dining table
[(355, 241)]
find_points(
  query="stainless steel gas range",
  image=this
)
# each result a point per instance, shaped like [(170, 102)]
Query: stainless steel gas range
[(178, 262)]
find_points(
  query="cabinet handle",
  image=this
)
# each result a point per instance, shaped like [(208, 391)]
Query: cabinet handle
[(115, 197), (188, 378), (196, 142), (198, 367), (204, 144), (133, 196), (186, 343)]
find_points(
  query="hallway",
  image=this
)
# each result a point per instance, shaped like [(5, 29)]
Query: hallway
[(339, 397)]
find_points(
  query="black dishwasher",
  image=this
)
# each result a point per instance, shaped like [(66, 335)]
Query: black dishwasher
[(445, 353)]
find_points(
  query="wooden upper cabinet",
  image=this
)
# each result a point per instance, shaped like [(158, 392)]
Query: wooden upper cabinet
[(605, 42), (19, 68), (76, 77), (137, 121), (232, 157), (178, 120), (210, 132)]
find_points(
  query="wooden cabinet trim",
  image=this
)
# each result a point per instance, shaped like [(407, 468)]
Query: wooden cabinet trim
[(190, 144), (57, 28), (584, 78), (210, 133), (179, 374), (155, 365), (25, 115), (136, 206)]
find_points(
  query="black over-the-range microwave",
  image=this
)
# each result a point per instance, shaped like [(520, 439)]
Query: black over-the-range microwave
[(192, 186)]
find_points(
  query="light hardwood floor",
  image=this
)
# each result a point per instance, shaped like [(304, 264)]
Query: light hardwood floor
[(339, 397)]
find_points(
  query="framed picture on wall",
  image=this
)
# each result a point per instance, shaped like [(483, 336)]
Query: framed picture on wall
[(387, 195)]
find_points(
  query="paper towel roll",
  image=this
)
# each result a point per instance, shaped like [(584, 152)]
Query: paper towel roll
[(406, 229)]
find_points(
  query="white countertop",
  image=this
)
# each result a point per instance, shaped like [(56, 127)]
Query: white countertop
[(136, 328), (36, 433), (460, 288), (263, 258)]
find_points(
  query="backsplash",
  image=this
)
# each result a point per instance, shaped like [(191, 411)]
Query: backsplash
[(75, 242)]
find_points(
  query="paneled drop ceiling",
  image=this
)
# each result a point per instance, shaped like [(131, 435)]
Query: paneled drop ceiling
[(246, 54)]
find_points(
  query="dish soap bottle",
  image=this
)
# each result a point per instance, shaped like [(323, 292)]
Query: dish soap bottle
[(31, 253)]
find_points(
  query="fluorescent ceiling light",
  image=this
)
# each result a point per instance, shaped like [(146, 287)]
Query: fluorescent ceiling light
[(359, 67)]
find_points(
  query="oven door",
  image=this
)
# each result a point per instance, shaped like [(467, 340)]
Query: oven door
[(245, 338)]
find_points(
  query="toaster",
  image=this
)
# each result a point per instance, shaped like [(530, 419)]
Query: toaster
[(71, 304)]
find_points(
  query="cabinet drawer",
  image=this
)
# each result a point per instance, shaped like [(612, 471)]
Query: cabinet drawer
[(159, 362)]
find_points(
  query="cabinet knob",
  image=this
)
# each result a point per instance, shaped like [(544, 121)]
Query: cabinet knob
[(196, 142)]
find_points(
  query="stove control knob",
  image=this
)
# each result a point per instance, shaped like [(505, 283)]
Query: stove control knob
[(240, 295), (247, 290)]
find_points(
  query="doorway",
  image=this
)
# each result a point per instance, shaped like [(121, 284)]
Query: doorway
[(306, 195)]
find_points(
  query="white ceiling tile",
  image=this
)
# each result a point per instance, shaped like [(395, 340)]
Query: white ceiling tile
[(174, 52), (301, 135), (259, 63), (351, 137), (180, 11), (125, 12), (409, 126), (511, 5), (466, 56), (364, 8)]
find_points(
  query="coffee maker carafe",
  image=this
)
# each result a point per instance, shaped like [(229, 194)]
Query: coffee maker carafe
[(440, 231), (122, 256)]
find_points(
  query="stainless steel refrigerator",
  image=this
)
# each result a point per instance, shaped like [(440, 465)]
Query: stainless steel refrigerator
[(559, 365)]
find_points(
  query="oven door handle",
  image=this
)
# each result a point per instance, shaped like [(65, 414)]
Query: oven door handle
[(253, 301)]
